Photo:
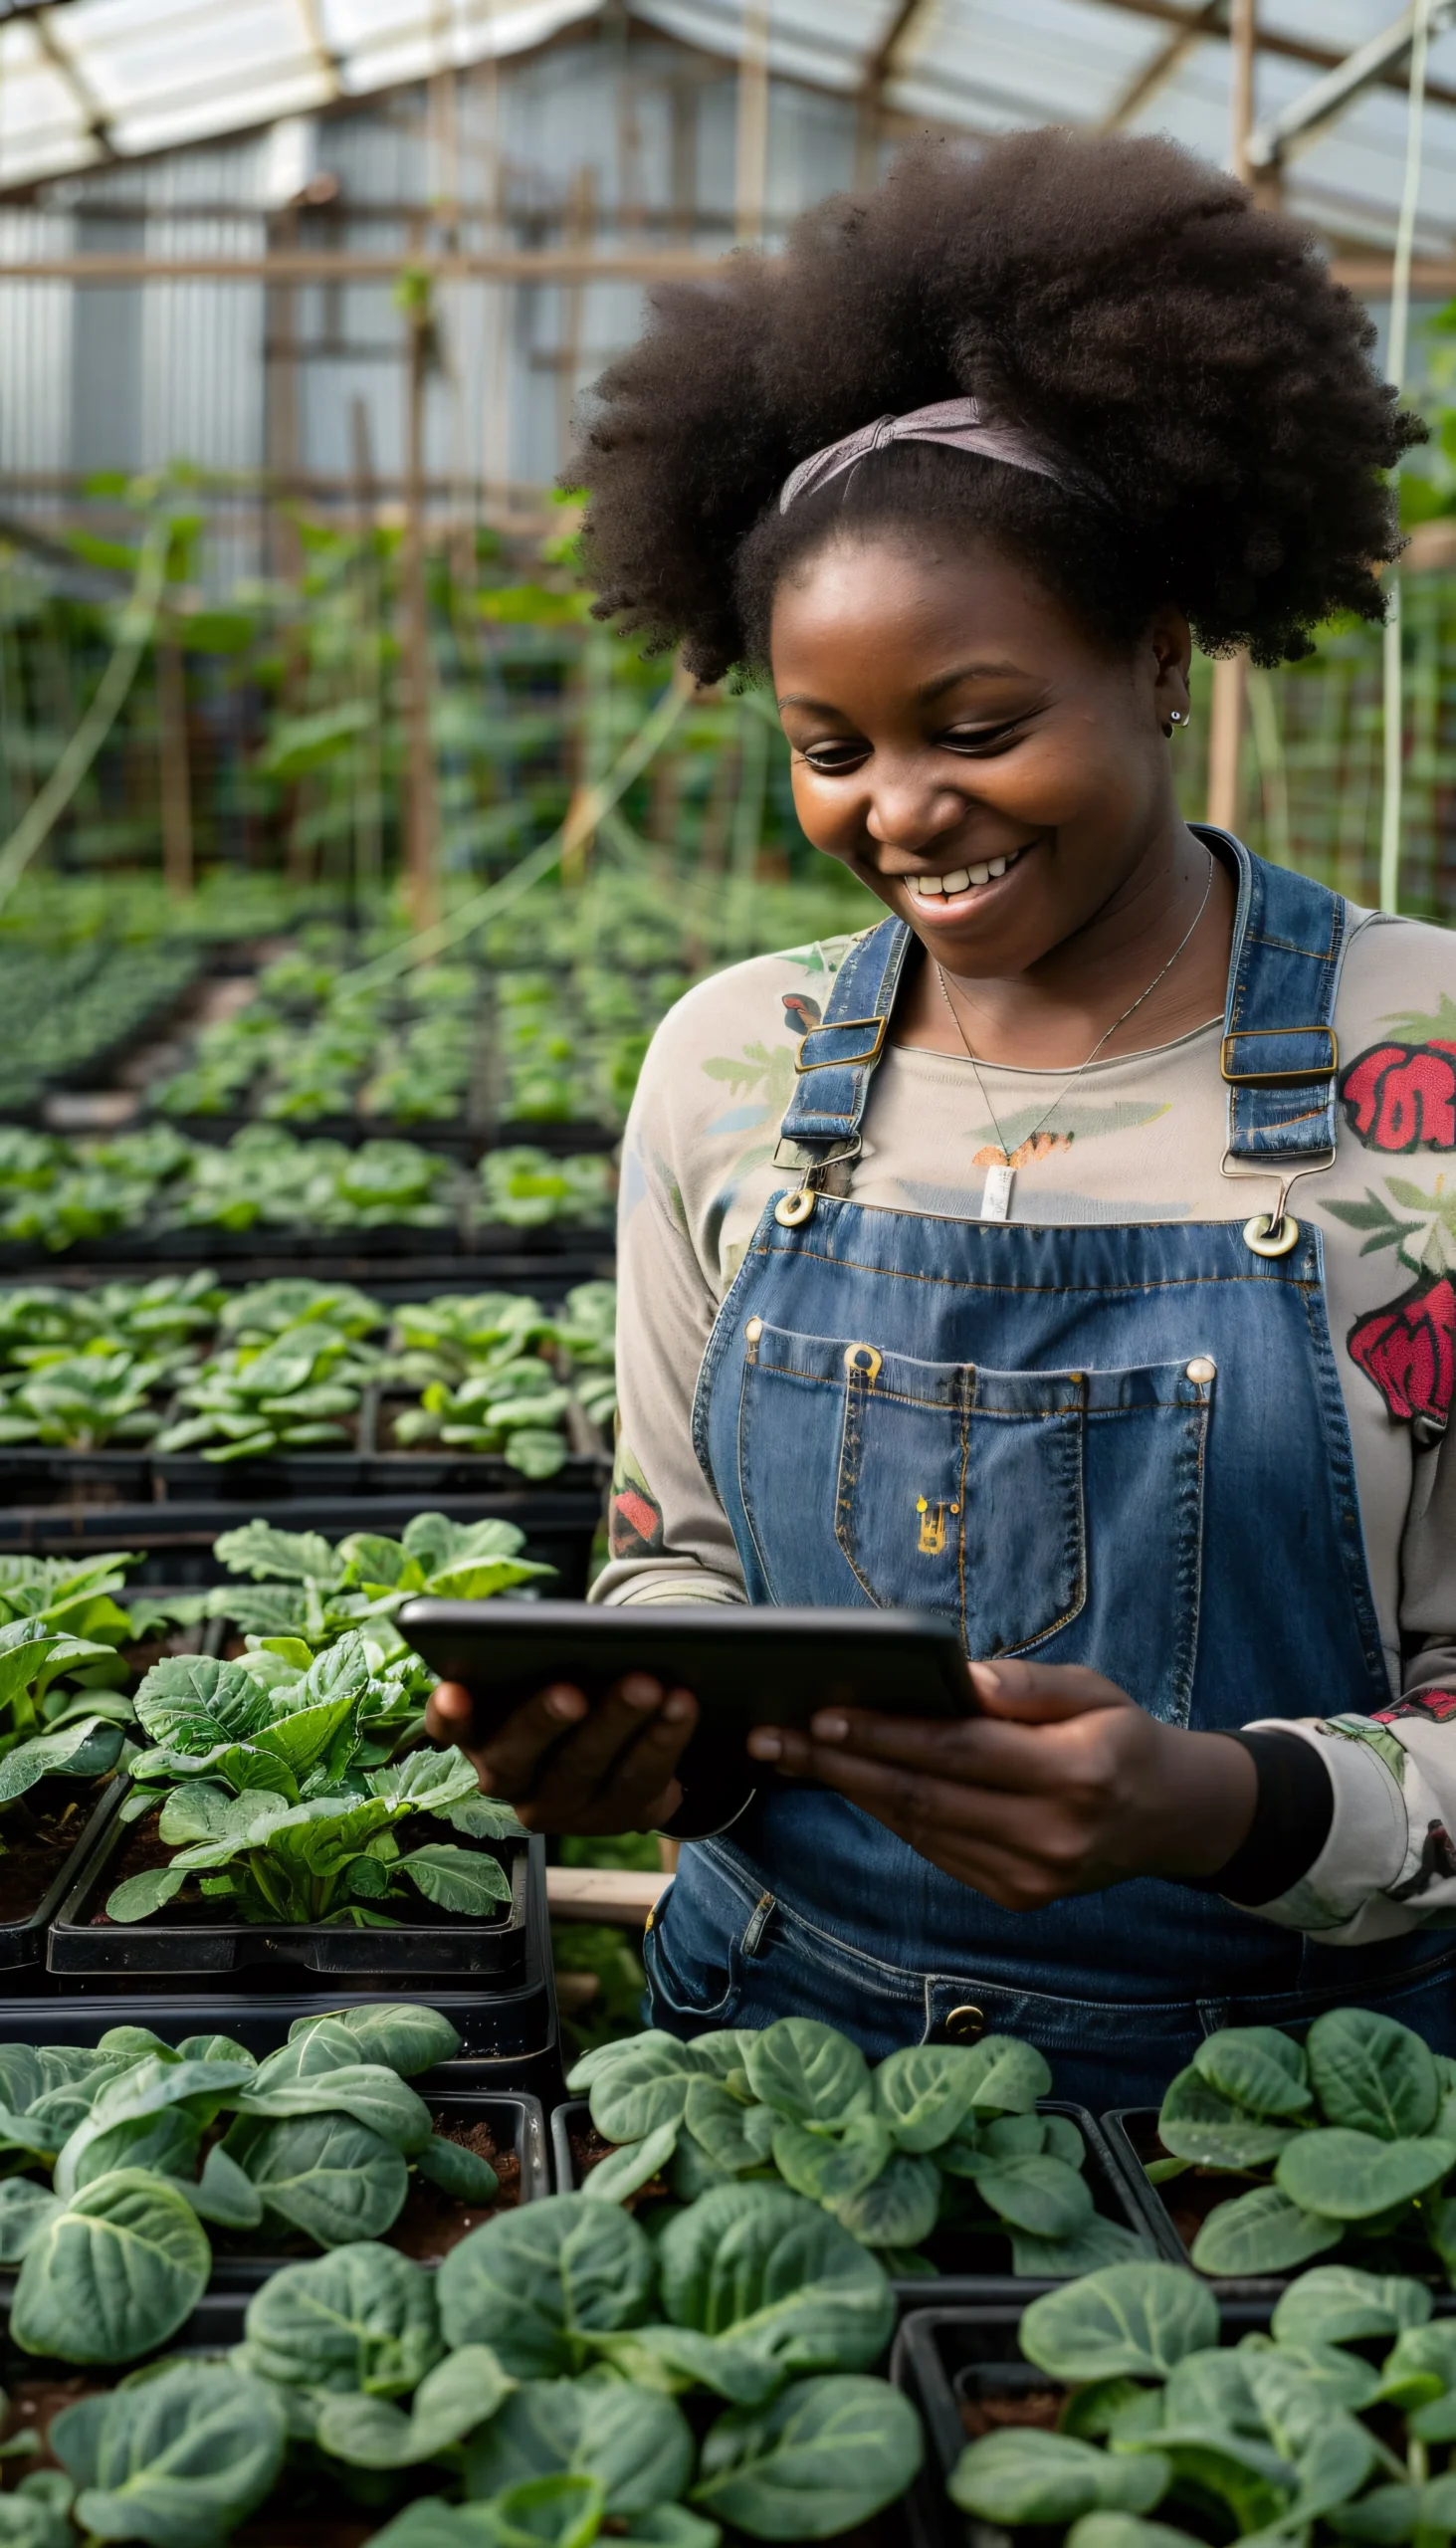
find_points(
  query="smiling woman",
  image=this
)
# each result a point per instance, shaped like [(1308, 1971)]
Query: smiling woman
[(961, 1261)]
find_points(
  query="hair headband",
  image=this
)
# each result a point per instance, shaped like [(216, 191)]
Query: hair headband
[(957, 422)]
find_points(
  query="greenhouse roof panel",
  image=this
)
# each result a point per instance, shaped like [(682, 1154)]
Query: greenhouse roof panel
[(86, 79)]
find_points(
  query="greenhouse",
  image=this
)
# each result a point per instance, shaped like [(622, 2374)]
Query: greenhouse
[(728, 1273)]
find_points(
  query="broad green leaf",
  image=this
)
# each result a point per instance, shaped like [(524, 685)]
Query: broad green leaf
[(673, 2358), (1011, 2075), (925, 2092), (365, 2090), (457, 2171), (36, 2515), (830, 2168), (646, 2088), (405, 2036), (1421, 2364), (140, 1895), (828, 2453), (301, 1739), (216, 2048), (720, 2050), (485, 1817), (1351, 2176), (1262, 2233), (780, 2275), (462, 2392), (1198, 2122), (539, 2283), (1256, 2067), (1042, 2195), (25, 2209), (176, 2460), (112, 2274), (225, 2194), (295, 1557), (1025, 2476), (638, 2445), (1125, 2530), (899, 2207), (1138, 2319), (325, 2174), (631, 2166), (1097, 2243), (735, 2136), (362, 2318), (433, 1780), (806, 2071), (468, 1880), (166, 2143), (1372, 2074)]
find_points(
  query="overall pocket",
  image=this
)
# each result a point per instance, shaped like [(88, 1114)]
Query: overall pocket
[(1049, 1513)]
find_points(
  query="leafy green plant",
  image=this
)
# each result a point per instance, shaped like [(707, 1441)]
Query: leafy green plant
[(146, 2143), (305, 1587), (286, 1392), (178, 2460), (938, 2138), (524, 1188), (1272, 2438), (1347, 2139), (542, 2370), (259, 1770)]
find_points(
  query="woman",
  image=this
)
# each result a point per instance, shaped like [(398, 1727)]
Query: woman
[(1039, 1246)]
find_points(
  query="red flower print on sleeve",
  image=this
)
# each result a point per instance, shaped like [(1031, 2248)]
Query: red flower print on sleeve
[(1408, 1348), (1439, 1704), (1402, 1097)]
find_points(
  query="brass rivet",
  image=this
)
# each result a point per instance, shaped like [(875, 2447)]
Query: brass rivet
[(963, 2026), (869, 1367), (754, 1330), (1200, 1368)]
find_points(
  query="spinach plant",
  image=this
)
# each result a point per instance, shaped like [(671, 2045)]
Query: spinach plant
[(285, 1393), (937, 2137), (64, 1712), (259, 1767), (524, 1188), (1328, 2422), (1349, 2141), (146, 2143), (305, 1587), (178, 2460), (540, 2370)]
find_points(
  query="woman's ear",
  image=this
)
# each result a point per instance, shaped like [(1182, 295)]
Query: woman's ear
[(1170, 647)]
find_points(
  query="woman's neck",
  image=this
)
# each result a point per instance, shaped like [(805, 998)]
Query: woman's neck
[(1052, 1015)]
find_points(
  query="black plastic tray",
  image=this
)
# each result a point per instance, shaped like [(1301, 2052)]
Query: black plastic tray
[(491, 1953), (23, 1942), (941, 2350), (515, 2118), (177, 1540), (1112, 2194), (508, 2039)]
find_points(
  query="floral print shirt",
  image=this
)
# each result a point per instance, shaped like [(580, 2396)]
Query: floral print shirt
[(1137, 1138)]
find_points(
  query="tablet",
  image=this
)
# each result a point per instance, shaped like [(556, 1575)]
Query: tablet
[(746, 1664)]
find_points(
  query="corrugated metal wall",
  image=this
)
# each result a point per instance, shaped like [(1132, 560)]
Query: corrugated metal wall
[(611, 129)]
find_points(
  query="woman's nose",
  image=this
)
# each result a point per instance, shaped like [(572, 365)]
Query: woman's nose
[(911, 812)]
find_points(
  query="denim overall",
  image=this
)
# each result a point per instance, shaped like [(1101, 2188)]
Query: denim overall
[(1119, 1446)]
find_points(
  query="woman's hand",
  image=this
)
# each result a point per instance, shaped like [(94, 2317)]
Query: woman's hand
[(614, 1774), (1062, 1786)]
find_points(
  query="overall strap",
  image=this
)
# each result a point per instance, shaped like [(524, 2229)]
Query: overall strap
[(1279, 1057), (836, 1058)]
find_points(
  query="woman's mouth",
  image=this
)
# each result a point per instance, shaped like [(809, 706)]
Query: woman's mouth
[(962, 886)]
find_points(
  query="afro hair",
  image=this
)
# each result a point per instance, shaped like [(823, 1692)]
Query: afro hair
[(1122, 301)]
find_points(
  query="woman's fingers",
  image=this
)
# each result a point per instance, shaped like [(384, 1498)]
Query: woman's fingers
[(617, 1776), (510, 1762), (1042, 1693)]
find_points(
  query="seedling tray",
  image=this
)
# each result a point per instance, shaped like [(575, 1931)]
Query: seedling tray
[(23, 1942), (176, 1539), (287, 1251), (1112, 2195), (494, 1952), (946, 2357), (490, 2061), (1132, 2137)]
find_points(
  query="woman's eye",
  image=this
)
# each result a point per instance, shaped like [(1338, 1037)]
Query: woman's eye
[(832, 759), (979, 738)]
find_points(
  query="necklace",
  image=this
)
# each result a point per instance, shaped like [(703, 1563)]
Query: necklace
[(997, 1199)]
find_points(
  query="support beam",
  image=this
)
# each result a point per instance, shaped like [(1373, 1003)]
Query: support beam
[(97, 122), (884, 62), (1164, 65), (1305, 117), (1271, 40)]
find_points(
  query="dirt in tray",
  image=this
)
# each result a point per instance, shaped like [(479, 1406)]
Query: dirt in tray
[(588, 2150), (29, 2408), (433, 2222), (1190, 2197), (1038, 2408), (35, 1841), (191, 1909)]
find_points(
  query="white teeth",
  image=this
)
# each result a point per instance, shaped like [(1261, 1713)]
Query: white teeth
[(956, 881), (997, 867), (928, 885), (980, 875)]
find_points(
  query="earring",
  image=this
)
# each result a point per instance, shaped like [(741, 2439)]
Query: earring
[(1178, 716)]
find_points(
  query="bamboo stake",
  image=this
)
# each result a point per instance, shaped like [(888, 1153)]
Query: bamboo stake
[(421, 826), (174, 768)]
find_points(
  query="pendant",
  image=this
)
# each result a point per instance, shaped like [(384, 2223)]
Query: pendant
[(995, 1202)]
